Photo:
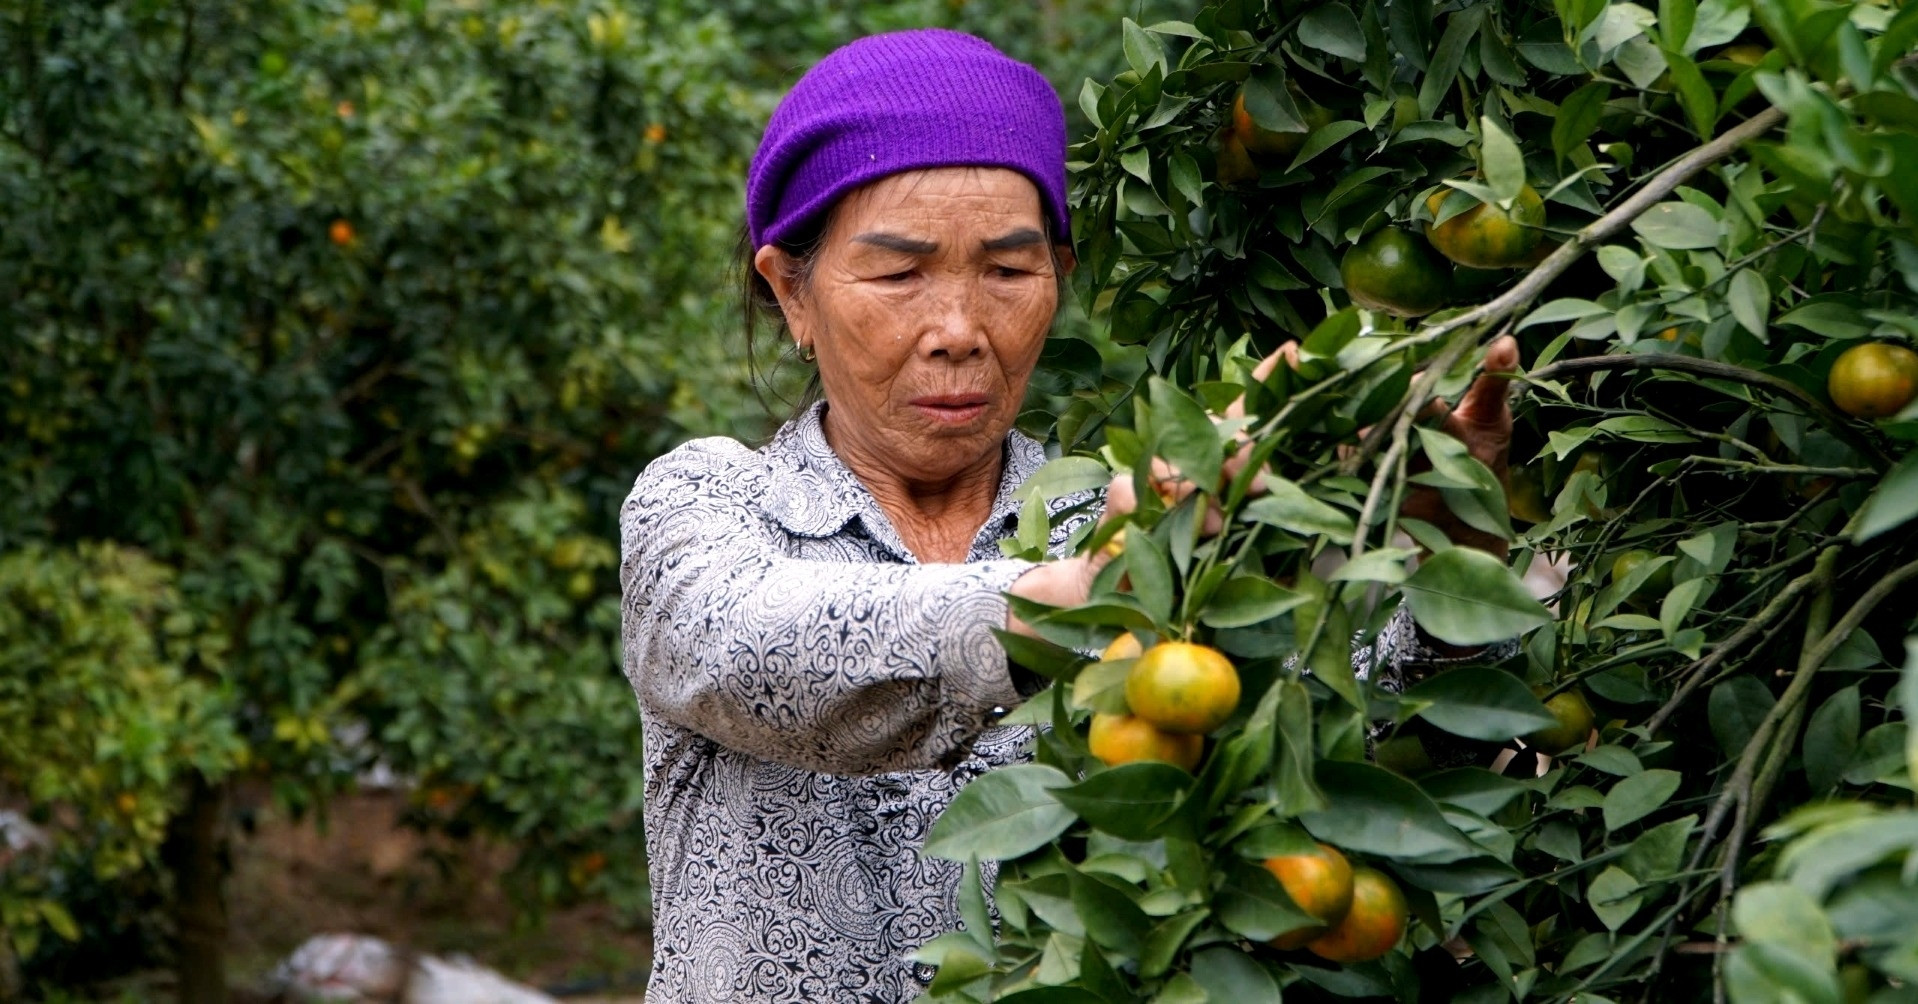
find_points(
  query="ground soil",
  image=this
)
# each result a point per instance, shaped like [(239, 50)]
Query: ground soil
[(363, 873)]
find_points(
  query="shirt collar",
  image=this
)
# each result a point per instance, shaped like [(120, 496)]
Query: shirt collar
[(812, 493)]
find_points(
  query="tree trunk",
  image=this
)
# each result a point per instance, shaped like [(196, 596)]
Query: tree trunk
[(196, 853)]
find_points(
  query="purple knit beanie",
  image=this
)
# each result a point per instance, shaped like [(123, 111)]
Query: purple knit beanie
[(898, 102)]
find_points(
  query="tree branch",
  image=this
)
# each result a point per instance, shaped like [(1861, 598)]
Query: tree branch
[(1839, 425)]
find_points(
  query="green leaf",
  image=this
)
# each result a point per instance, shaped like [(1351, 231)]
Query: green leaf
[(1111, 918), (1185, 435), (1055, 995), (1750, 300), (1783, 914), (1677, 225), (1229, 975), (1638, 796), (959, 960), (1330, 27), (1893, 503), (1694, 94), (1064, 476), (1293, 785), (1615, 897), (1831, 739), (1253, 904), (1472, 788), (1500, 161), (1325, 138), (1101, 686), (1441, 75), (1247, 600), (1567, 309), (1267, 102), (1379, 812), (1385, 564), (1625, 266), (1142, 51), (1163, 943), (1480, 702), (1150, 570), (1735, 709), (1288, 507), (1002, 814), (1467, 597), (1577, 119), (1130, 801)]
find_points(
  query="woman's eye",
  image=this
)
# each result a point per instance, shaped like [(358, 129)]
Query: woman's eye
[(1008, 272), (896, 276)]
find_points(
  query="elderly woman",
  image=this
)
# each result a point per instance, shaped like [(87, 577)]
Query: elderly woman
[(808, 625)]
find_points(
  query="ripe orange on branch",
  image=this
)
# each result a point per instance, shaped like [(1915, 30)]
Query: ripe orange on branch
[(1874, 380), (1182, 687), (1575, 720), (1372, 927), (1486, 236), (1320, 883), (1117, 739), (1272, 147)]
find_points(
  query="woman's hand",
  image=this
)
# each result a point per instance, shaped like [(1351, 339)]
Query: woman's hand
[(1068, 583), (1483, 422)]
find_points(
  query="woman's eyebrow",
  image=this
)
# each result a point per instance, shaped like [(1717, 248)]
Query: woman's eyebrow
[(894, 242), (1024, 237)]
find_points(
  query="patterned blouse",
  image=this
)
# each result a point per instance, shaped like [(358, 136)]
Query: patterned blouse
[(812, 699)]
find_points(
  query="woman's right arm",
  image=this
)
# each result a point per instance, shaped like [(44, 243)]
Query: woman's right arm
[(838, 667)]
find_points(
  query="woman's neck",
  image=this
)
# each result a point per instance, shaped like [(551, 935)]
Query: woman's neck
[(936, 519)]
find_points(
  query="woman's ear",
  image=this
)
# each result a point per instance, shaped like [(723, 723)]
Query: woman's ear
[(778, 269), (1062, 253)]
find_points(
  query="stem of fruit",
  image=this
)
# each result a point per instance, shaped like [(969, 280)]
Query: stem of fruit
[(1405, 416), (1838, 424)]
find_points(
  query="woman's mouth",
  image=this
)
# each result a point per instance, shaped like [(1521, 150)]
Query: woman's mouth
[(951, 409)]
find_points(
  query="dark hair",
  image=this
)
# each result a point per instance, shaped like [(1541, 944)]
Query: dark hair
[(761, 311)]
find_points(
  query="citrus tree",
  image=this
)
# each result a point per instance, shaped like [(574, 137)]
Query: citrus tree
[(1692, 777), (331, 336)]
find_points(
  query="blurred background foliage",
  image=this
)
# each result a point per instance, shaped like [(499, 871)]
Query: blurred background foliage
[(331, 336)]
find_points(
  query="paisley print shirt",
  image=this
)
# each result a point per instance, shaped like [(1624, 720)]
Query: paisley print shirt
[(812, 699)]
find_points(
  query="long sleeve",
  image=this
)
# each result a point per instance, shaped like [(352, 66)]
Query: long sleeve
[(837, 667)]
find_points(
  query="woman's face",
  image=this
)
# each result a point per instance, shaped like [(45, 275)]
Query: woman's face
[(927, 305)]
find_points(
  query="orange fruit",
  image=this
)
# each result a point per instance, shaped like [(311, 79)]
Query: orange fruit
[(1272, 147), (1235, 165), (1745, 54), (1486, 236), (1575, 720), (655, 133), (1126, 646), (1182, 687), (1117, 739), (1320, 882), (1372, 927), (1659, 583), (1393, 272), (341, 233), (1873, 380)]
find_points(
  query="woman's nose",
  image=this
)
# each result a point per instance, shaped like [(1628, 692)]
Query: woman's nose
[(956, 330)]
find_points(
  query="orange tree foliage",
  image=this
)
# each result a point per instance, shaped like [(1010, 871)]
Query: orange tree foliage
[(1729, 193)]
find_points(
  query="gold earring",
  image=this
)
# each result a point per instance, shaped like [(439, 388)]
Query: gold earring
[(806, 353)]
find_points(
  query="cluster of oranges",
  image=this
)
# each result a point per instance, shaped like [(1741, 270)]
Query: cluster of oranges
[(1362, 912), (1392, 271), (1177, 692)]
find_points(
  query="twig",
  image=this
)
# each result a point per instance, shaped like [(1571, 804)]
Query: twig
[(1696, 674), (1839, 425)]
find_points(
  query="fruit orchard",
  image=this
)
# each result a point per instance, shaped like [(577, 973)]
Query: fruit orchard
[(331, 335), (1694, 779)]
